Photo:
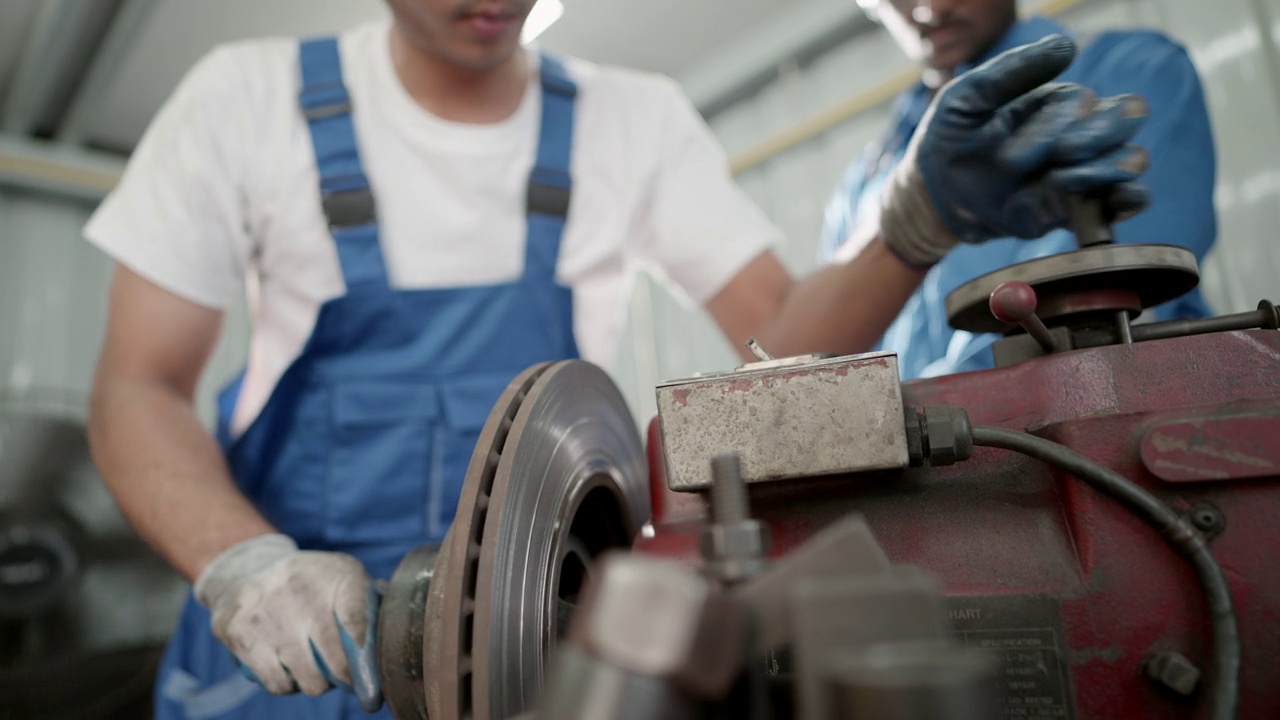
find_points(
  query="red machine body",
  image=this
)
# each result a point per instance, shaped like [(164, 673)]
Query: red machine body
[(1071, 588)]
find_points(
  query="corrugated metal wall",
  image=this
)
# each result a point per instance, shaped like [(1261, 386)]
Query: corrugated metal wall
[(53, 294), (1232, 43)]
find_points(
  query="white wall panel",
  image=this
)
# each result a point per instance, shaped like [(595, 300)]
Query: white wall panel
[(1240, 84), (53, 295), (1242, 89)]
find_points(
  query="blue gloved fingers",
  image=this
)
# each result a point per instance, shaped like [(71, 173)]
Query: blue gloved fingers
[(1122, 165), (362, 658), (1111, 124), (1127, 199), (978, 93), (1029, 129), (1030, 212), (1040, 207)]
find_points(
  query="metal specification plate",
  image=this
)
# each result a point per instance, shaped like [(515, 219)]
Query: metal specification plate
[(829, 416), (1025, 633)]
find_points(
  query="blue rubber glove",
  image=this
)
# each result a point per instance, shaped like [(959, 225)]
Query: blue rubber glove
[(1003, 147), (296, 620)]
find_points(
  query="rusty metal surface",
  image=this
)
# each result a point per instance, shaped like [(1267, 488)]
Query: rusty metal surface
[(1034, 561), (1215, 446), (831, 416), (1157, 273), (557, 478), (1089, 301)]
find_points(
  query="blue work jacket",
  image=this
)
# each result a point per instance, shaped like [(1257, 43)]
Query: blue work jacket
[(1181, 178)]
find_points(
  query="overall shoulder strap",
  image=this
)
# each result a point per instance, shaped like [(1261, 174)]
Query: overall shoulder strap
[(345, 193), (550, 185)]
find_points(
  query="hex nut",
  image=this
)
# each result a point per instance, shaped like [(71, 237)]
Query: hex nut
[(662, 618), (1173, 671), (734, 551), (948, 435)]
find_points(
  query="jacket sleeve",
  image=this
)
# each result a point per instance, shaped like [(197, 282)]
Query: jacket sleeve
[(1178, 138), (840, 216)]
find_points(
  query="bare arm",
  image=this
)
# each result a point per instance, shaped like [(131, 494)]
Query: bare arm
[(162, 465), (841, 308)]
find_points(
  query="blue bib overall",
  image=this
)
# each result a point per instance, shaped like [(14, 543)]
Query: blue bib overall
[(364, 443)]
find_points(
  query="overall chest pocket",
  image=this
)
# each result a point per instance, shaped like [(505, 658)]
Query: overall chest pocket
[(467, 403), (382, 462)]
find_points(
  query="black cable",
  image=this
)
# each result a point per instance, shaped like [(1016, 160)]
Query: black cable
[(1225, 693)]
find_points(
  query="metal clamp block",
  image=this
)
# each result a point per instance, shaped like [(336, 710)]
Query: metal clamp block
[(821, 417)]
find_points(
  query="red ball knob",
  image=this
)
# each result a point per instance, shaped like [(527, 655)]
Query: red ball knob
[(1012, 302)]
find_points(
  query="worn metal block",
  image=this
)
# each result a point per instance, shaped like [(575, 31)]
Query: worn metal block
[(826, 416)]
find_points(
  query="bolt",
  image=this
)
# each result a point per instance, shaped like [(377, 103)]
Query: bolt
[(758, 350), (1208, 520), (732, 544), (1173, 671), (728, 490)]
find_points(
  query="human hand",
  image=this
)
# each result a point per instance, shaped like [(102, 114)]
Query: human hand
[(295, 620), (1001, 151)]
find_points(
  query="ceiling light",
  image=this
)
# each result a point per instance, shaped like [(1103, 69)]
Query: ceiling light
[(542, 16)]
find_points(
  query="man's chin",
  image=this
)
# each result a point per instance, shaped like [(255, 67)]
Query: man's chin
[(481, 57), (944, 61)]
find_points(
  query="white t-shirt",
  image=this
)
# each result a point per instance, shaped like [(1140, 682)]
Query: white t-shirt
[(222, 194)]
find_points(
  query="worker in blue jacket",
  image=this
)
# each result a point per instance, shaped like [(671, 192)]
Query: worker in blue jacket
[(949, 37)]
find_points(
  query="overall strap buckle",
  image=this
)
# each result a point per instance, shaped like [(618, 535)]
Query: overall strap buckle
[(346, 197), (550, 183)]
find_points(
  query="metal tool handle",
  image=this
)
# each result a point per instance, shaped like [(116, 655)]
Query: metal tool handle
[(1090, 220), (1014, 303)]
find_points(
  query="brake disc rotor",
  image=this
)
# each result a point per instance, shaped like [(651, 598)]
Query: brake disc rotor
[(558, 477)]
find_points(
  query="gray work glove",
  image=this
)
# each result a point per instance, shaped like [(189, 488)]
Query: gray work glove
[(1001, 150), (295, 620)]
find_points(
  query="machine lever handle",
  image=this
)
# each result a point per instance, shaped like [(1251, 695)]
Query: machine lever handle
[(1014, 302), (1090, 220)]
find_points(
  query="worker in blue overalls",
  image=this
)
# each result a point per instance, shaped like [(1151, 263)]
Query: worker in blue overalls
[(418, 210), (947, 37)]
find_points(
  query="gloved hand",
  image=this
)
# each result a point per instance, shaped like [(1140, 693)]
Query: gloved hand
[(295, 620), (1000, 151)]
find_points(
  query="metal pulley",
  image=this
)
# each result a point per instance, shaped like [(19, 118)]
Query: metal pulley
[(1099, 280)]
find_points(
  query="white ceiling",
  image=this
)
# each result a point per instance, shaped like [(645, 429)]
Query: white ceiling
[(667, 36), (16, 17), (179, 32)]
